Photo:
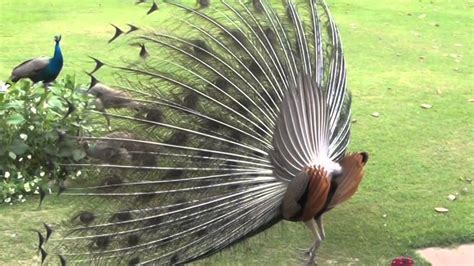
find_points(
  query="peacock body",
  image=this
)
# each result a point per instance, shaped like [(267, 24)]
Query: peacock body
[(237, 122), (42, 68)]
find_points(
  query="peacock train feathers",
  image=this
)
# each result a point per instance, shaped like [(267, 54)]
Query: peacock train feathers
[(233, 118)]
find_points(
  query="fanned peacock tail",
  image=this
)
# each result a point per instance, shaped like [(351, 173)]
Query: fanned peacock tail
[(211, 123)]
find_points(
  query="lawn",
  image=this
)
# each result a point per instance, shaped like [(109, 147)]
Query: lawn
[(400, 54)]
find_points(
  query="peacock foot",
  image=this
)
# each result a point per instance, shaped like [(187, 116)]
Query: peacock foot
[(308, 258)]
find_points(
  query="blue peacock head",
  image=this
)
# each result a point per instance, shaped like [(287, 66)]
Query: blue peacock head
[(57, 38)]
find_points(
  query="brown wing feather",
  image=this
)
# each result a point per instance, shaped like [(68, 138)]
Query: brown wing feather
[(347, 184), (318, 190), (307, 195)]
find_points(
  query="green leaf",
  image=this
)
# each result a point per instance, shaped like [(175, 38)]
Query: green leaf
[(51, 150), (70, 82), (17, 105), (65, 152), (55, 102), (51, 135), (18, 147), (78, 154), (15, 119)]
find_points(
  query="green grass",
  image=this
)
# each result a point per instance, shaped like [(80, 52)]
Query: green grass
[(84, 25), (400, 54)]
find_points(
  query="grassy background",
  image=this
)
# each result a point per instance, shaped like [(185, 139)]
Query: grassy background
[(400, 54)]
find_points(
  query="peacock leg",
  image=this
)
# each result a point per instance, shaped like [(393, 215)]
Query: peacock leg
[(313, 227), (319, 222)]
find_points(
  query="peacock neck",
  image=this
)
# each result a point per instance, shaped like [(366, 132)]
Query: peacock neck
[(58, 56)]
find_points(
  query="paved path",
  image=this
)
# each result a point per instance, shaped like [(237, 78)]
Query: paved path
[(459, 256)]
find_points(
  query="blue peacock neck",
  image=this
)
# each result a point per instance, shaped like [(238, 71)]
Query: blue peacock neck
[(57, 60), (55, 65)]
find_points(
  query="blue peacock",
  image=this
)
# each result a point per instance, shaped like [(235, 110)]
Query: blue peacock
[(42, 69)]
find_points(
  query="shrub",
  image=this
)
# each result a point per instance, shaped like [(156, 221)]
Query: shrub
[(37, 138)]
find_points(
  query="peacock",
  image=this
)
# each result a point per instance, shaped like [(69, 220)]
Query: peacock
[(237, 118), (40, 69)]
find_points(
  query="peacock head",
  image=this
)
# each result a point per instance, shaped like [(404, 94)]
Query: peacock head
[(57, 38)]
